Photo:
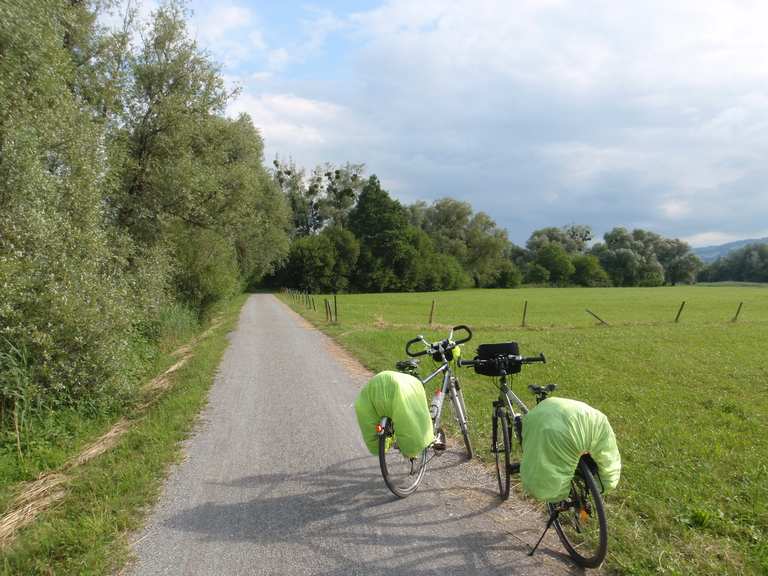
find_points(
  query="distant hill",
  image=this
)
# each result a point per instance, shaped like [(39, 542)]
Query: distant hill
[(712, 253)]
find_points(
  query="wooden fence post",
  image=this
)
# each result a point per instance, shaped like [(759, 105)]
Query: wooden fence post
[(738, 312), (598, 317), (432, 313), (680, 311), (335, 309), (525, 313)]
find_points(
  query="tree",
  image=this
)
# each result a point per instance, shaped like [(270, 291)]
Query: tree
[(589, 272), (379, 223), (680, 264), (345, 252), (572, 238), (643, 258), (485, 253), (747, 264), (508, 276), (555, 260), (536, 274)]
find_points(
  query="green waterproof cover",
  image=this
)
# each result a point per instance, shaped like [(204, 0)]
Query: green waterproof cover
[(400, 397), (555, 435)]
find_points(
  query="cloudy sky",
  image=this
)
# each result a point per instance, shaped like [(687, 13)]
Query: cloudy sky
[(646, 114)]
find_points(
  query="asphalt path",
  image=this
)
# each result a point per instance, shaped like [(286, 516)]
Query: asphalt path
[(276, 480)]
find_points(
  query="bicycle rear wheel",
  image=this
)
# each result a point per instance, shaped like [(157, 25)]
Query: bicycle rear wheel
[(501, 448), (401, 473), (582, 527), (460, 411)]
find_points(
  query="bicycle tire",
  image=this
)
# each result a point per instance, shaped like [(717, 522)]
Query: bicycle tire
[(401, 474), (461, 415), (586, 548), (501, 448)]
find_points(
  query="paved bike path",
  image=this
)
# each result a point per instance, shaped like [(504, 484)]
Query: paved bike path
[(277, 481)]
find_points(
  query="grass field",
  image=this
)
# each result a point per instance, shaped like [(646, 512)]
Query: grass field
[(688, 401)]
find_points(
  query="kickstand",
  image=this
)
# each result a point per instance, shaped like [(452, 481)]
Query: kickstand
[(552, 518)]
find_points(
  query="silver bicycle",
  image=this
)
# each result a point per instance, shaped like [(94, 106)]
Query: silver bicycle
[(402, 474)]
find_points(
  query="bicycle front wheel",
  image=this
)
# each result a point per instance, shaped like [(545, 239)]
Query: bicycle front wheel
[(501, 449), (461, 416), (582, 526), (402, 474)]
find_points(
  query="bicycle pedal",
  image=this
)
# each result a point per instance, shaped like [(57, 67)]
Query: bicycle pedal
[(514, 468)]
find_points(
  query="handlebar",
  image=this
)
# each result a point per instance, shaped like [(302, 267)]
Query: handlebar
[(415, 341), (434, 347), (508, 359)]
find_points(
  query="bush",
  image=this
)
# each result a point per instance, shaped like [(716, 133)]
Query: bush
[(589, 272), (536, 274), (206, 269)]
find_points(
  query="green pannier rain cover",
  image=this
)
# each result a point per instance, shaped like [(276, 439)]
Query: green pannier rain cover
[(400, 397), (555, 435)]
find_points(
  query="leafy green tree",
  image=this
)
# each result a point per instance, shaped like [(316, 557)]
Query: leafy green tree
[(536, 274), (310, 264), (588, 271), (340, 188), (171, 125), (68, 301), (380, 224), (679, 263), (555, 260), (644, 258), (621, 264), (747, 264), (508, 275), (345, 251), (572, 238), (485, 253), (446, 221)]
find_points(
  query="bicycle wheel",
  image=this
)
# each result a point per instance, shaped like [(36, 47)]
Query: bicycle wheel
[(501, 447), (401, 473), (582, 526), (460, 411)]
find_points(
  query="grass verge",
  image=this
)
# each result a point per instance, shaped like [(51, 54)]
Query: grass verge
[(107, 498)]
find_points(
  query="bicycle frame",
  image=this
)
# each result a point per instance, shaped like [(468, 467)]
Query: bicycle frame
[(447, 387), (508, 397)]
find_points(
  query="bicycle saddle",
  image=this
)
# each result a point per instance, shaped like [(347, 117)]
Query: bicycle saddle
[(409, 365), (542, 390)]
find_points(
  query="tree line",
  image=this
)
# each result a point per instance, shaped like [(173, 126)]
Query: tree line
[(349, 234), (747, 264), (129, 203)]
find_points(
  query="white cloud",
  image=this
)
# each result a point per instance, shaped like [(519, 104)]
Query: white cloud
[(229, 30), (289, 122)]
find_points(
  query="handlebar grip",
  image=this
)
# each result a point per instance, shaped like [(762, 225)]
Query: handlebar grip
[(532, 359), (467, 330), (466, 362), (414, 354)]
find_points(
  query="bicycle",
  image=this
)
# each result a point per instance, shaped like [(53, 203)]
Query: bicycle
[(402, 474), (579, 520)]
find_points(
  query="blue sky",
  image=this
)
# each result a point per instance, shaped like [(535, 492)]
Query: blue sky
[(540, 113)]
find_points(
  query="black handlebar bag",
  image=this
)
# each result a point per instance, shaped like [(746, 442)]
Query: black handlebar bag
[(491, 351)]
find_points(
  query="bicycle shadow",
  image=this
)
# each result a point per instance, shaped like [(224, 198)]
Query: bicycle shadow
[(344, 516)]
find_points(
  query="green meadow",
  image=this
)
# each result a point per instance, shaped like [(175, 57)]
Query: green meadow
[(688, 400)]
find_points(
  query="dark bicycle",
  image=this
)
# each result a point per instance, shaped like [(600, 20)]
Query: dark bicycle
[(580, 519)]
